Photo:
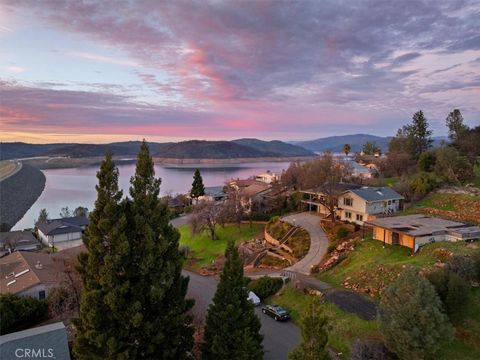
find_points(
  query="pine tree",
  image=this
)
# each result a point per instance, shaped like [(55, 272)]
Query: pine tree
[(411, 317), (419, 134), (456, 127), (42, 216), (198, 189), (133, 304), (232, 328), (314, 334)]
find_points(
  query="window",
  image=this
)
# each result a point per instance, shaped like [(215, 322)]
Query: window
[(389, 202), (348, 214), (348, 201), (359, 217), (41, 294)]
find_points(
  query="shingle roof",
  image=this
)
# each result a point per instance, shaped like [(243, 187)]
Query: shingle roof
[(18, 239), (63, 225), (376, 193), (20, 271), (338, 188)]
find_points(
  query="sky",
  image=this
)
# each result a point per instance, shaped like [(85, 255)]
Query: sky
[(103, 71)]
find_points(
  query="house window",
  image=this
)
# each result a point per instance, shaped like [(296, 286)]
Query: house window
[(348, 201), (41, 294), (348, 214), (359, 217), (393, 201), (389, 202)]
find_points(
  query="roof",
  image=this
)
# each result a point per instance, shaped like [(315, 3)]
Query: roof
[(18, 239), (52, 336), (63, 225), (338, 188), (254, 189), (420, 225), (376, 193), (21, 270)]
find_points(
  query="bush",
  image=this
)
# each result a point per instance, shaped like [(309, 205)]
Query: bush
[(452, 291), (342, 232), (365, 349), (332, 247), (18, 313), (266, 286), (466, 267)]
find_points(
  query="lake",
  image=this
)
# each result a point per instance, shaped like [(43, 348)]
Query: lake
[(76, 187)]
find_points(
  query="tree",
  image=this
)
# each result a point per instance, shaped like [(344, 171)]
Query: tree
[(133, 303), (411, 318), (18, 313), (427, 160), (456, 127), (346, 149), (370, 148), (419, 134), (80, 211), (232, 329), (42, 216), (65, 212), (197, 186), (314, 335), (451, 166), (206, 216)]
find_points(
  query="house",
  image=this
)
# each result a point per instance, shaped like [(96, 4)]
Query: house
[(214, 193), (414, 231), (43, 342), (62, 233), (315, 198), (250, 191), (366, 203), (17, 240), (25, 273), (267, 177)]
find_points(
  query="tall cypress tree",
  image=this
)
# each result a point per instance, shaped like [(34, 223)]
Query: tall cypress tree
[(133, 305), (232, 328), (314, 334), (198, 189), (98, 325)]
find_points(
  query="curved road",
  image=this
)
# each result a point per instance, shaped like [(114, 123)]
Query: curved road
[(279, 337), (318, 241)]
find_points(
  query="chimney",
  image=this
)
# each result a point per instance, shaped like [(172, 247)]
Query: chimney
[(38, 265)]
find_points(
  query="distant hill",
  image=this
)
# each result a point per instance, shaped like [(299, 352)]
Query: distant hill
[(356, 142), (335, 143), (194, 149)]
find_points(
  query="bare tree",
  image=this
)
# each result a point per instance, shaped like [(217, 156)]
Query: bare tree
[(206, 216)]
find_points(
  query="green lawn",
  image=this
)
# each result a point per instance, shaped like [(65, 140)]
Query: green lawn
[(343, 328), (202, 249), (372, 266)]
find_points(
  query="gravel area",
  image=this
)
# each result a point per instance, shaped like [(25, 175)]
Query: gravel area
[(19, 192)]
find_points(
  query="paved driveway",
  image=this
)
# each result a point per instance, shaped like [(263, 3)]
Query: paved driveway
[(279, 337), (318, 241)]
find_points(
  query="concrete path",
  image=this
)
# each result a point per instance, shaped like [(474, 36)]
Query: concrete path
[(318, 241)]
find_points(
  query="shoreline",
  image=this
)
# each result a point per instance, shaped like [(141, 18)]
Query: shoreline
[(44, 163), (19, 192)]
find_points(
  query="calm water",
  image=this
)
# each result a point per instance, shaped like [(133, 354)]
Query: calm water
[(76, 187)]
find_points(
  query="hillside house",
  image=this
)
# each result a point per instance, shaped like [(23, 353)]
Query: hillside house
[(366, 203), (414, 231), (17, 240), (64, 232), (268, 177), (314, 199), (25, 273)]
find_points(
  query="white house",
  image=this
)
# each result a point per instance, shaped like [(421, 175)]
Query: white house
[(365, 203), (267, 177), (65, 232)]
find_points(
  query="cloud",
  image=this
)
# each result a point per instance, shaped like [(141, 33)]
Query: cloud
[(104, 59), (15, 69)]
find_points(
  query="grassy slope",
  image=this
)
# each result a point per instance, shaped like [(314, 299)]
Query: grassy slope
[(343, 329), (205, 250), (369, 255)]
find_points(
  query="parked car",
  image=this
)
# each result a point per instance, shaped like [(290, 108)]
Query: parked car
[(276, 312), (253, 298)]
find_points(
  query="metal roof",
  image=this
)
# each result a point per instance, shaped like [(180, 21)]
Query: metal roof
[(376, 193)]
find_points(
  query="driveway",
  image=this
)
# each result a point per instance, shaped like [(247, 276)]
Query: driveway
[(318, 241), (279, 337)]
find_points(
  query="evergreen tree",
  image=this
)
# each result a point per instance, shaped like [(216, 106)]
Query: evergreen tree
[(419, 134), (411, 317), (42, 216), (456, 127), (346, 149), (133, 304), (314, 334), (232, 328), (198, 189)]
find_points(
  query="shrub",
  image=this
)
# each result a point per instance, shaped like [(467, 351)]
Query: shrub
[(332, 247), (452, 291), (366, 349), (18, 313), (266, 286), (342, 232), (465, 266)]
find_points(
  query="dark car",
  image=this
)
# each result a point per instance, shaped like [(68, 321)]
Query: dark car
[(276, 312)]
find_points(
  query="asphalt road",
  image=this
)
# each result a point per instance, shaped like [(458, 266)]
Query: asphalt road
[(279, 337)]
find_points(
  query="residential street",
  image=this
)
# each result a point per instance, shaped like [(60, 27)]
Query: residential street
[(318, 238), (279, 338)]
